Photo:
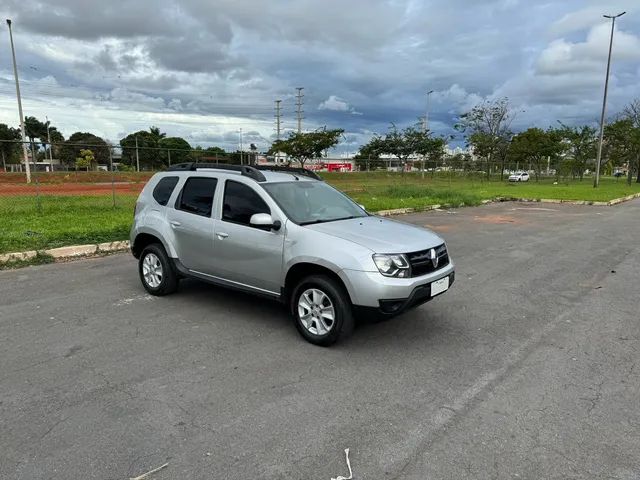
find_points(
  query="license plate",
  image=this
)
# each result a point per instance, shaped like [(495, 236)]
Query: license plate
[(439, 286)]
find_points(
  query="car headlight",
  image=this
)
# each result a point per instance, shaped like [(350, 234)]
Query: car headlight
[(392, 265)]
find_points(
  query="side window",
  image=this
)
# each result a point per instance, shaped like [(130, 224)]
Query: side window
[(164, 189), (241, 202), (197, 196)]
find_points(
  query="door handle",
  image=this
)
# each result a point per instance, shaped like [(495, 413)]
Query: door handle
[(175, 223), (222, 235)]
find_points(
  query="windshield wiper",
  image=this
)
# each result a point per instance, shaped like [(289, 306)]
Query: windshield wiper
[(326, 220)]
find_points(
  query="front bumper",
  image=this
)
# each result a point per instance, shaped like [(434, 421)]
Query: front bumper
[(420, 295), (373, 290)]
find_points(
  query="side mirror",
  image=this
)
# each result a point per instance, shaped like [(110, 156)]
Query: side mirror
[(264, 221), (362, 207)]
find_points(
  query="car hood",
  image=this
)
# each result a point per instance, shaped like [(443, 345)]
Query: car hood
[(380, 235)]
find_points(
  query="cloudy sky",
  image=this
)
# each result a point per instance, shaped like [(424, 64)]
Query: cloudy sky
[(203, 69)]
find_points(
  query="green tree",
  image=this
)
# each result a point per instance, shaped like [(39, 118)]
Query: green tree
[(253, 159), (621, 145), (57, 141), (403, 144), (156, 133), (34, 129), (369, 154), (581, 143), (430, 148), (174, 150), (632, 113), (488, 131), (148, 148), (536, 146), (304, 146), (47, 132), (86, 159), (9, 150), (70, 149)]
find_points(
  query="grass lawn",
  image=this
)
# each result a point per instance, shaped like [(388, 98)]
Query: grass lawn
[(382, 190), (68, 220), (62, 220)]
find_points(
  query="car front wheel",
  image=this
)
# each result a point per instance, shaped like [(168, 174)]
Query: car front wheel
[(321, 310)]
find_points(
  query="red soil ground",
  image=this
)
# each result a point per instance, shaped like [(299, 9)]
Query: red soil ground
[(12, 189)]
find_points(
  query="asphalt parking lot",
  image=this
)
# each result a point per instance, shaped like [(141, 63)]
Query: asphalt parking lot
[(526, 369)]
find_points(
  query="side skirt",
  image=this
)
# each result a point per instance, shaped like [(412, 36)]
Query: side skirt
[(221, 282)]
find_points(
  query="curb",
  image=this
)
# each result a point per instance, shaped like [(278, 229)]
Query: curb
[(73, 251), (404, 211), (77, 251)]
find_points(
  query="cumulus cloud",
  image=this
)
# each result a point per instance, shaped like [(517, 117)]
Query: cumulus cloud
[(337, 104), (562, 56), (207, 69)]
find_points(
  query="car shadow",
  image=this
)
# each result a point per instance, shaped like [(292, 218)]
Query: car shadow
[(423, 325)]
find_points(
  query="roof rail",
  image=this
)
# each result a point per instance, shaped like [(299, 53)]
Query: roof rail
[(244, 170), (300, 171)]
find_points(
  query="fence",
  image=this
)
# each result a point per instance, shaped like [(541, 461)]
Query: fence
[(71, 204)]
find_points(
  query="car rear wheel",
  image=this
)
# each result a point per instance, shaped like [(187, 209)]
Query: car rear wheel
[(321, 310), (156, 271)]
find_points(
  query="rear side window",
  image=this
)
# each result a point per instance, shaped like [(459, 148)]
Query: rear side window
[(241, 202), (197, 196), (164, 189)]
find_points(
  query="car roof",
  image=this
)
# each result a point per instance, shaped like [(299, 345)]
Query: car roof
[(270, 176)]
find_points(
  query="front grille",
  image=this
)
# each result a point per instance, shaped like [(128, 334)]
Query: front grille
[(421, 263)]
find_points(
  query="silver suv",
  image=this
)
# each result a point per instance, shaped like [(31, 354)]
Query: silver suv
[(283, 233)]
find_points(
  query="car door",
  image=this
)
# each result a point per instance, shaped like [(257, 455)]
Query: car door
[(248, 256), (192, 225)]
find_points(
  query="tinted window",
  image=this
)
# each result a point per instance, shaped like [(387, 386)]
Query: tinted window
[(241, 202), (197, 196), (164, 189)]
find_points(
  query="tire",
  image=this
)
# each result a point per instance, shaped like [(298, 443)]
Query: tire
[(165, 279), (317, 328)]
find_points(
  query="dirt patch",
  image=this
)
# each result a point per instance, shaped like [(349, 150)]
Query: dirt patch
[(76, 177), (8, 190), (440, 228), (498, 219)]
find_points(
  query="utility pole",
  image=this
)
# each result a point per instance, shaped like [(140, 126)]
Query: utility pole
[(137, 155), (241, 146), (278, 117), (49, 142), (299, 111), (169, 155), (24, 138), (596, 181)]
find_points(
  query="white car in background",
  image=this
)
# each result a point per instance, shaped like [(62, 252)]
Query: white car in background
[(519, 177)]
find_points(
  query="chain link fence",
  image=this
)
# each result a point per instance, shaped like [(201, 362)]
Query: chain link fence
[(80, 193), (85, 193)]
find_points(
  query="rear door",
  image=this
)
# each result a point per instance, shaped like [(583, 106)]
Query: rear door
[(192, 225), (244, 255)]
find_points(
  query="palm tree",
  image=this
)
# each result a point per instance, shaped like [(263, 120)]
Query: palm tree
[(34, 128), (156, 133)]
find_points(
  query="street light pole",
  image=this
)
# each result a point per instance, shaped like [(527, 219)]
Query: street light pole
[(24, 138), (425, 126), (240, 146), (426, 116), (596, 181)]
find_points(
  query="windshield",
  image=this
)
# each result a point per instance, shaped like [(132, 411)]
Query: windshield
[(313, 202)]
